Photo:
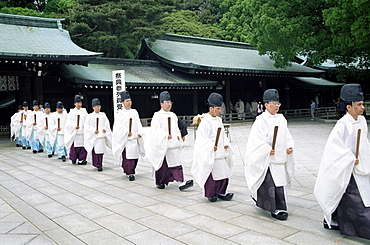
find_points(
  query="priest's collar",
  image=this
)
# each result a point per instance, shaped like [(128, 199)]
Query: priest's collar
[(270, 115)]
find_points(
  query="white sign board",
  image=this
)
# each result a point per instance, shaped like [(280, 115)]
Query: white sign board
[(119, 85)]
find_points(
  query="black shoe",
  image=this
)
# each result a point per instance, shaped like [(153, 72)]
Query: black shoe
[(131, 177), (74, 162), (49, 156), (226, 197), (24, 147), (280, 214), (63, 158), (16, 145), (52, 153), (34, 151), (188, 184), (333, 226), (160, 186), (100, 169), (28, 147), (40, 150), (213, 199), (82, 163)]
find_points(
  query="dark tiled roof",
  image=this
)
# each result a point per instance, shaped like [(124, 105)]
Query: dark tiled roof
[(137, 73), (202, 54), (34, 38)]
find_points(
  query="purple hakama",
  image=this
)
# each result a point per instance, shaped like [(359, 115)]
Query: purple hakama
[(128, 165), (77, 153), (97, 159), (352, 216), (270, 197), (164, 175), (215, 187)]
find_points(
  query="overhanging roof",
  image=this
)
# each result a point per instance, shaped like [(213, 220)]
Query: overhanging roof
[(7, 101), (197, 55), (137, 73), (38, 39), (319, 82)]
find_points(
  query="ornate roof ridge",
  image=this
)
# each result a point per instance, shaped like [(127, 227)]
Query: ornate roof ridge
[(22, 20), (206, 41)]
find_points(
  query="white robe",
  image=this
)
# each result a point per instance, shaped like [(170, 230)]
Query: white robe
[(258, 158), (120, 139), (99, 142), (156, 142), (71, 134), (46, 134), (205, 159), (24, 124), (15, 125), (30, 127), (337, 164), (55, 133)]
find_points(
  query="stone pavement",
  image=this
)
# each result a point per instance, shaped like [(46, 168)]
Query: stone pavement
[(46, 201)]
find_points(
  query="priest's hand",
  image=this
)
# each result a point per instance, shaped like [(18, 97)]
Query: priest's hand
[(226, 146), (58, 129), (34, 124), (178, 137), (215, 148), (272, 152), (289, 150), (169, 137), (96, 131), (357, 161), (46, 127), (21, 121), (139, 135), (129, 134), (104, 131), (183, 138), (77, 127)]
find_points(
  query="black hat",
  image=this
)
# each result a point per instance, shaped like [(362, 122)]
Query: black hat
[(215, 99), (25, 104), (34, 103), (77, 98), (95, 102), (125, 95), (59, 105), (46, 105), (351, 92), (20, 107), (164, 96), (41, 103), (270, 95)]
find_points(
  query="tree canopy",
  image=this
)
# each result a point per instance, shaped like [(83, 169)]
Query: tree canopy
[(319, 29)]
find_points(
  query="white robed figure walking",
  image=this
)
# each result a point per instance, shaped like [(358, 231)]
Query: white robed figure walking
[(269, 164), (213, 156), (126, 139), (74, 133), (45, 129), (343, 182)]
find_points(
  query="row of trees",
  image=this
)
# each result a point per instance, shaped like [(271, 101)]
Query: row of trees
[(318, 29)]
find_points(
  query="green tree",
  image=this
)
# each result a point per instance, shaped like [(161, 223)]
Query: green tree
[(320, 29), (25, 11), (208, 11), (116, 27), (186, 22)]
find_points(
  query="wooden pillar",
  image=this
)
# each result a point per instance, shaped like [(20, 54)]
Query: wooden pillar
[(195, 102), (227, 94), (287, 96), (38, 93)]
